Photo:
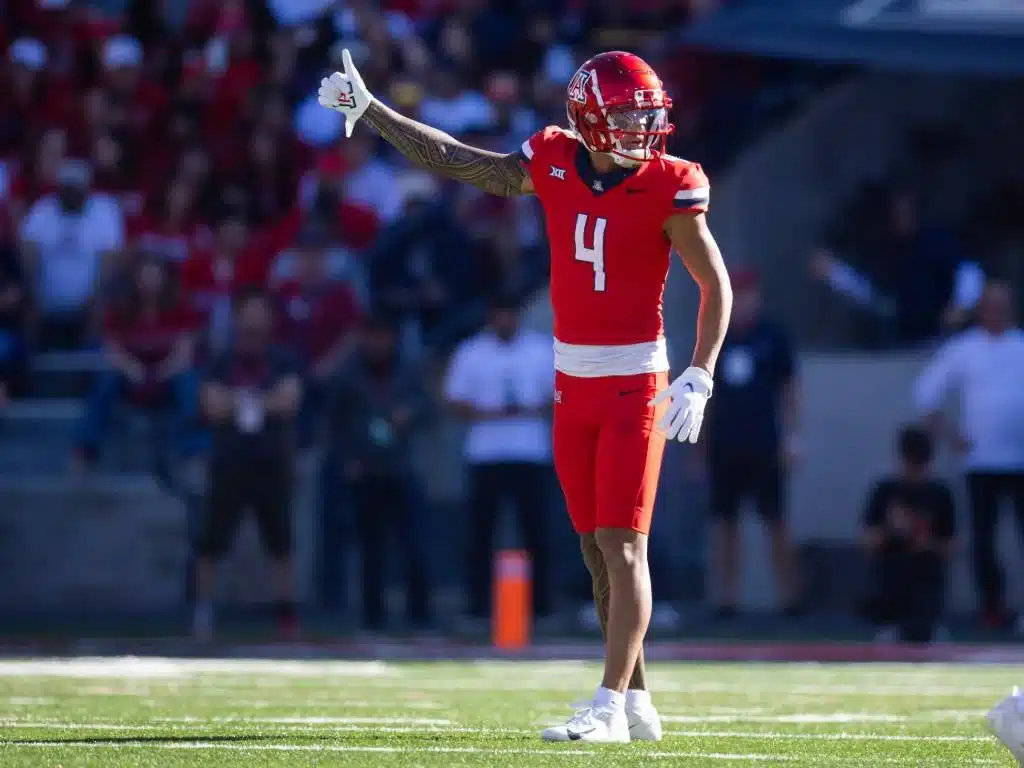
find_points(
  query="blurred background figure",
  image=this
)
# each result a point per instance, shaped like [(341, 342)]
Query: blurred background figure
[(13, 308), (377, 409), (251, 399), (149, 345), (179, 143), (984, 366), (212, 277), (68, 239), (752, 443), (909, 533), (500, 383), (318, 318), (916, 280)]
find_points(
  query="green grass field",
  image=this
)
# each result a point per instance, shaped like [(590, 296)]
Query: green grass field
[(168, 713)]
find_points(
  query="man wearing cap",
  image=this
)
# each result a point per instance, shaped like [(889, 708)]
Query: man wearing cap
[(751, 441), (26, 102), (67, 237), (142, 100)]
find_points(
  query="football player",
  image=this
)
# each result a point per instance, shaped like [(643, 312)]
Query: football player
[(615, 206)]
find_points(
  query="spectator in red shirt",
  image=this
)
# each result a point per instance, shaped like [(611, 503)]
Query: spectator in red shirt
[(268, 177), (24, 82), (317, 314), (143, 101), (112, 164), (317, 319), (172, 231), (149, 349), (212, 278), (37, 174)]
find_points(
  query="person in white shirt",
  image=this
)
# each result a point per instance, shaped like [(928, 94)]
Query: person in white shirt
[(66, 239), (501, 383), (985, 365)]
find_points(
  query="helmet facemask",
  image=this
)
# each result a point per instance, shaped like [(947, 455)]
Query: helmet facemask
[(631, 132), (636, 134)]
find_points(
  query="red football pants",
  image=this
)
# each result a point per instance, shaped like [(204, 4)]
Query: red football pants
[(607, 450)]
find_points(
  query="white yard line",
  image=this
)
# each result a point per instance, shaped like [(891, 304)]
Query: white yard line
[(569, 751), (329, 720), (197, 728), (824, 736), (314, 720), (146, 668), (795, 719), (397, 725), (81, 726), (562, 752)]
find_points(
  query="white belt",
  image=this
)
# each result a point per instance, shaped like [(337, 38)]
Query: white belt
[(593, 360)]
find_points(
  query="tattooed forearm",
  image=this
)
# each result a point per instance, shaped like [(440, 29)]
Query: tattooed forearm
[(437, 151)]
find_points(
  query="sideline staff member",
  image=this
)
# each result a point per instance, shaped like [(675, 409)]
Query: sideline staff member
[(251, 398), (749, 436)]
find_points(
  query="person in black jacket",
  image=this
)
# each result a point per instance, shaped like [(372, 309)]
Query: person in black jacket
[(12, 323), (751, 442), (909, 527), (251, 397), (376, 409)]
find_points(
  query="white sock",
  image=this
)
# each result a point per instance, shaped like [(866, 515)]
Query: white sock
[(638, 700), (606, 697)]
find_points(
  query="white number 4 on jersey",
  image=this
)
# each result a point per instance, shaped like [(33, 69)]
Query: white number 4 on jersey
[(592, 254)]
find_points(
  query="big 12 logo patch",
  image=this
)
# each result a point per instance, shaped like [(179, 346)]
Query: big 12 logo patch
[(578, 86)]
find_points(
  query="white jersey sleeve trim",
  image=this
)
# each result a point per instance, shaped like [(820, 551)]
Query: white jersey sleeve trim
[(527, 150), (693, 195)]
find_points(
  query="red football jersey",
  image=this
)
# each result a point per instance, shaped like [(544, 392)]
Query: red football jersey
[(609, 250)]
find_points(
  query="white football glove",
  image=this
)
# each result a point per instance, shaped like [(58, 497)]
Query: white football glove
[(345, 92), (689, 395)]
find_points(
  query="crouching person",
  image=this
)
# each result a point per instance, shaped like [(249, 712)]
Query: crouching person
[(909, 529)]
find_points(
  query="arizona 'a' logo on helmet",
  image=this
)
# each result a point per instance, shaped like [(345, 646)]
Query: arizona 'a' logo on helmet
[(616, 104), (578, 86)]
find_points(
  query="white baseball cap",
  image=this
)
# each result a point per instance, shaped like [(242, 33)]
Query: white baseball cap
[(29, 53), (122, 51)]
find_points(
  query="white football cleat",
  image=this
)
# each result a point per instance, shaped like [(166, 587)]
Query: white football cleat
[(1007, 722), (644, 723), (600, 725)]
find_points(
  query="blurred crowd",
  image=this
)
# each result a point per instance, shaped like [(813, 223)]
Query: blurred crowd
[(174, 202), (185, 136), (908, 259)]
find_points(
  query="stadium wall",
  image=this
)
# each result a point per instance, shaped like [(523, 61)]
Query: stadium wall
[(108, 547)]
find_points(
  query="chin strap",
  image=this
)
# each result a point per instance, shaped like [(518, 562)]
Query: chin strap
[(626, 162)]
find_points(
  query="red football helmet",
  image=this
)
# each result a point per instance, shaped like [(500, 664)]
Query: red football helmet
[(616, 105)]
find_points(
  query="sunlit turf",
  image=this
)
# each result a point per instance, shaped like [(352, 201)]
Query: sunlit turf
[(169, 713)]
